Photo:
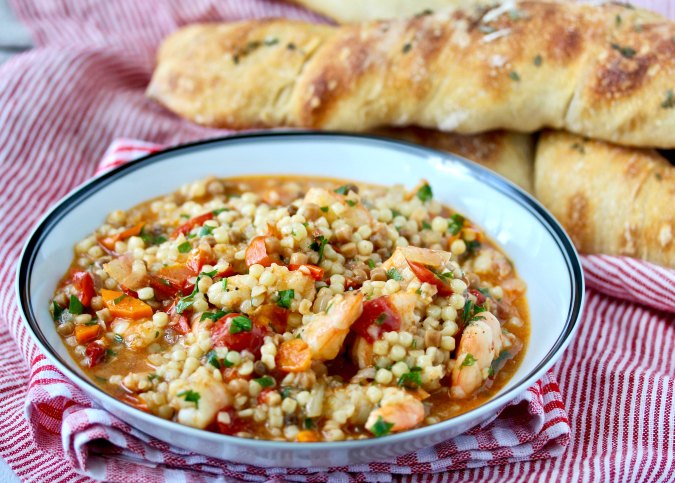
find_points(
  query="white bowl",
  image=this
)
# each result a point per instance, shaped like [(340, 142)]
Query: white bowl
[(539, 248)]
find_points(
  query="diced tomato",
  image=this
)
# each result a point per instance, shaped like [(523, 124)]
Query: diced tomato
[(262, 397), (177, 277), (198, 258), (95, 352), (191, 223), (164, 288), (178, 322), (480, 298), (256, 253), (251, 340), (312, 270), (228, 272), (426, 275), (84, 285), (109, 241), (378, 317), (351, 284), (236, 424), (128, 292)]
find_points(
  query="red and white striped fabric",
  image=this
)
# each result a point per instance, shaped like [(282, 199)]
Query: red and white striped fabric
[(82, 87)]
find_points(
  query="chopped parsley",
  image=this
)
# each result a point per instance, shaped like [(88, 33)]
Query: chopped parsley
[(351, 202), (110, 353), (498, 362), (120, 298), (285, 298), (455, 224), (218, 211), (395, 213), (627, 52), (75, 307), (212, 359), (184, 247), (392, 274), (308, 423), (669, 101), (213, 315), (240, 323), (324, 209), (411, 379), (57, 311), (470, 311), (151, 238), (381, 427), (190, 396), (318, 245), (538, 60), (424, 193), (579, 148), (369, 262), (92, 322), (265, 381), (514, 76), (224, 284), (187, 301), (426, 225), (472, 246), (152, 377), (205, 230), (484, 291), (406, 47), (342, 190), (285, 392), (469, 360), (381, 318)]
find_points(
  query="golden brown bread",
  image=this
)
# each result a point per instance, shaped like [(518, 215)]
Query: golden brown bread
[(610, 199), (606, 72), (349, 11), (507, 153)]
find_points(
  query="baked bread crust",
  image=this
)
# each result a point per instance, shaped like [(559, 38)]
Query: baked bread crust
[(610, 199), (585, 71)]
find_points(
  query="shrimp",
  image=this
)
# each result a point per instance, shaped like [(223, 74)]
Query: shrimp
[(199, 398), (481, 343), (355, 215), (327, 331), (398, 408)]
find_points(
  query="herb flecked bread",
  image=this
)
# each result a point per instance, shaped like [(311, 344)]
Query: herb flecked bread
[(606, 72), (610, 199)]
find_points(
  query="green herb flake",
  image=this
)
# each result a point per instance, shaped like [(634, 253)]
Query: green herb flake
[(212, 359), (184, 247), (351, 202), (92, 322), (290, 46), (484, 291), (392, 274), (151, 238), (110, 353), (395, 213), (381, 427), (342, 190), (469, 360), (324, 209), (538, 60), (205, 230), (472, 246), (240, 324), (412, 379), (190, 396), (75, 307), (265, 381), (118, 339), (579, 148), (285, 298), (318, 245), (308, 423), (499, 362), (424, 193), (406, 47), (381, 318), (212, 315), (285, 392), (58, 311), (455, 224), (224, 282), (426, 11), (627, 52), (618, 20), (514, 76), (100, 379), (218, 211), (669, 101), (426, 225), (120, 298), (152, 377), (370, 263)]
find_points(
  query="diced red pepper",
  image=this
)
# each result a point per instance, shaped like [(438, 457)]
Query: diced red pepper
[(178, 322), (256, 253), (95, 352), (378, 317), (84, 286), (191, 223), (480, 298), (129, 292), (271, 315), (313, 271), (251, 340), (426, 275), (198, 258)]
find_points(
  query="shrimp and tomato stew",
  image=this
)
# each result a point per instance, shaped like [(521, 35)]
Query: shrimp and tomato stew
[(294, 309)]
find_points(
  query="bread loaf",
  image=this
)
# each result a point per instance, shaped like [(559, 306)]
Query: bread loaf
[(507, 153), (606, 72), (610, 199)]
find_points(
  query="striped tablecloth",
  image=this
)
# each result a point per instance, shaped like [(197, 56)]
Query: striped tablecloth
[(82, 86)]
